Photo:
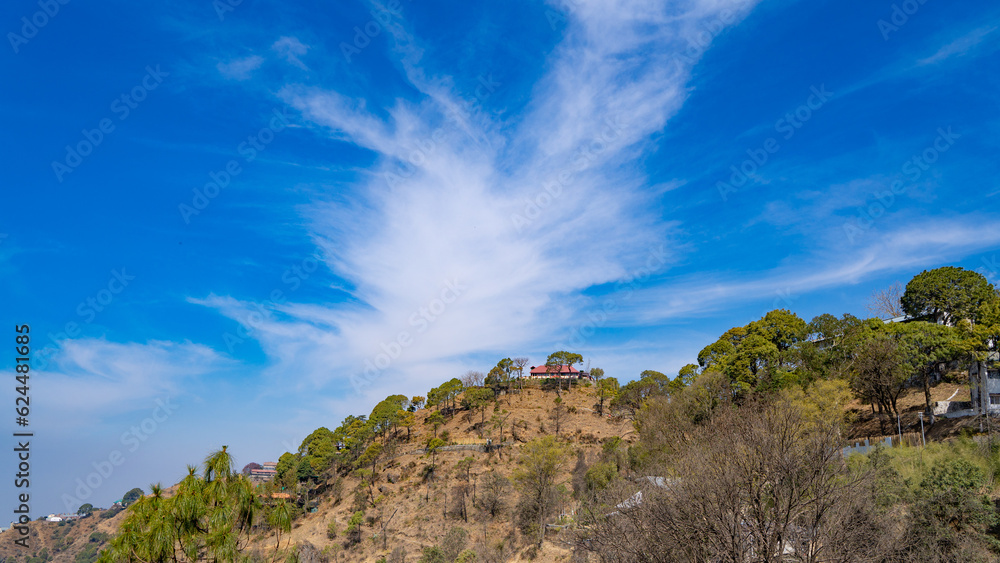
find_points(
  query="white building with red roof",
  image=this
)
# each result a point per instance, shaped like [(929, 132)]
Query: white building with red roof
[(564, 372)]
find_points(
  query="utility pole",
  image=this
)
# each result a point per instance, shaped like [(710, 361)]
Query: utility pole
[(923, 440)]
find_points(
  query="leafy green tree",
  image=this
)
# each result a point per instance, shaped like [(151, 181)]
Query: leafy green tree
[(305, 472), (210, 517), (385, 414), (927, 345), (634, 394), (539, 466), (607, 390), (288, 465), (416, 403), (132, 496), (947, 294), (85, 509), (478, 398), (764, 355), (555, 361), (436, 419)]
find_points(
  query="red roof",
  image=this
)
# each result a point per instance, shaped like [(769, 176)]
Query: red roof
[(563, 369)]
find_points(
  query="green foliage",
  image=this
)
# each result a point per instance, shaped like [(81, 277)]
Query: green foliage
[(947, 294), (85, 509), (131, 496), (432, 554), (210, 516), (761, 356), (539, 465), (353, 531)]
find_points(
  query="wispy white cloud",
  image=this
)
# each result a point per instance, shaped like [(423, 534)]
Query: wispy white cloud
[(960, 46), (913, 245), (88, 378), (240, 69), (290, 48), (520, 217)]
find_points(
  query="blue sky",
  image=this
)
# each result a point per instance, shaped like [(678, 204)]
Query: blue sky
[(232, 224)]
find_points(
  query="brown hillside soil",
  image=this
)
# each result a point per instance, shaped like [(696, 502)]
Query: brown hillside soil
[(424, 510), (62, 540), (910, 404)]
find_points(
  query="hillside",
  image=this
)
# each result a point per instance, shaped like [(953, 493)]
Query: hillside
[(76, 541), (426, 510)]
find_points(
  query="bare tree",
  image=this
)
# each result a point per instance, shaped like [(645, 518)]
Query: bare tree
[(492, 495), (753, 485), (885, 303), (472, 378), (879, 374), (519, 364)]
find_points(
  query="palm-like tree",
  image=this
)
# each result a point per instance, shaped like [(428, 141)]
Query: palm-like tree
[(211, 517)]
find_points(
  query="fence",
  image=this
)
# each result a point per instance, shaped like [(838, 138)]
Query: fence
[(866, 445)]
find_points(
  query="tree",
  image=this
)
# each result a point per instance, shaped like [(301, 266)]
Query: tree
[(947, 294), (886, 303), (478, 398), (416, 403), (436, 419), (406, 419), (607, 390), (519, 364), (494, 489), (539, 464), (558, 414), (555, 362), (85, 509), (631, 397), (211, 517), (762, 355), (131, 496), (250, 467), (879, 372), (754, 485), (951, 516), (472, 378), (927, 345)]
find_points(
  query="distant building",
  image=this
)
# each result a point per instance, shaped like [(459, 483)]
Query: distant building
[(984, 382), (564, 372), (266, 472)]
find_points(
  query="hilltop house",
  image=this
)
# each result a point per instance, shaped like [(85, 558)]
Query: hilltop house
[(564, 372)]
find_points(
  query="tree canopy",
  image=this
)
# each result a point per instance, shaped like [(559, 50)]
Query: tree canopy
[(948, 294)]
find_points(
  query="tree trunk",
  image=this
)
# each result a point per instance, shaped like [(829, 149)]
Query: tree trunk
[(927, 390)]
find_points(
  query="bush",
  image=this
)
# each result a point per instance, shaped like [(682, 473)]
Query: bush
[(331, 529)]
